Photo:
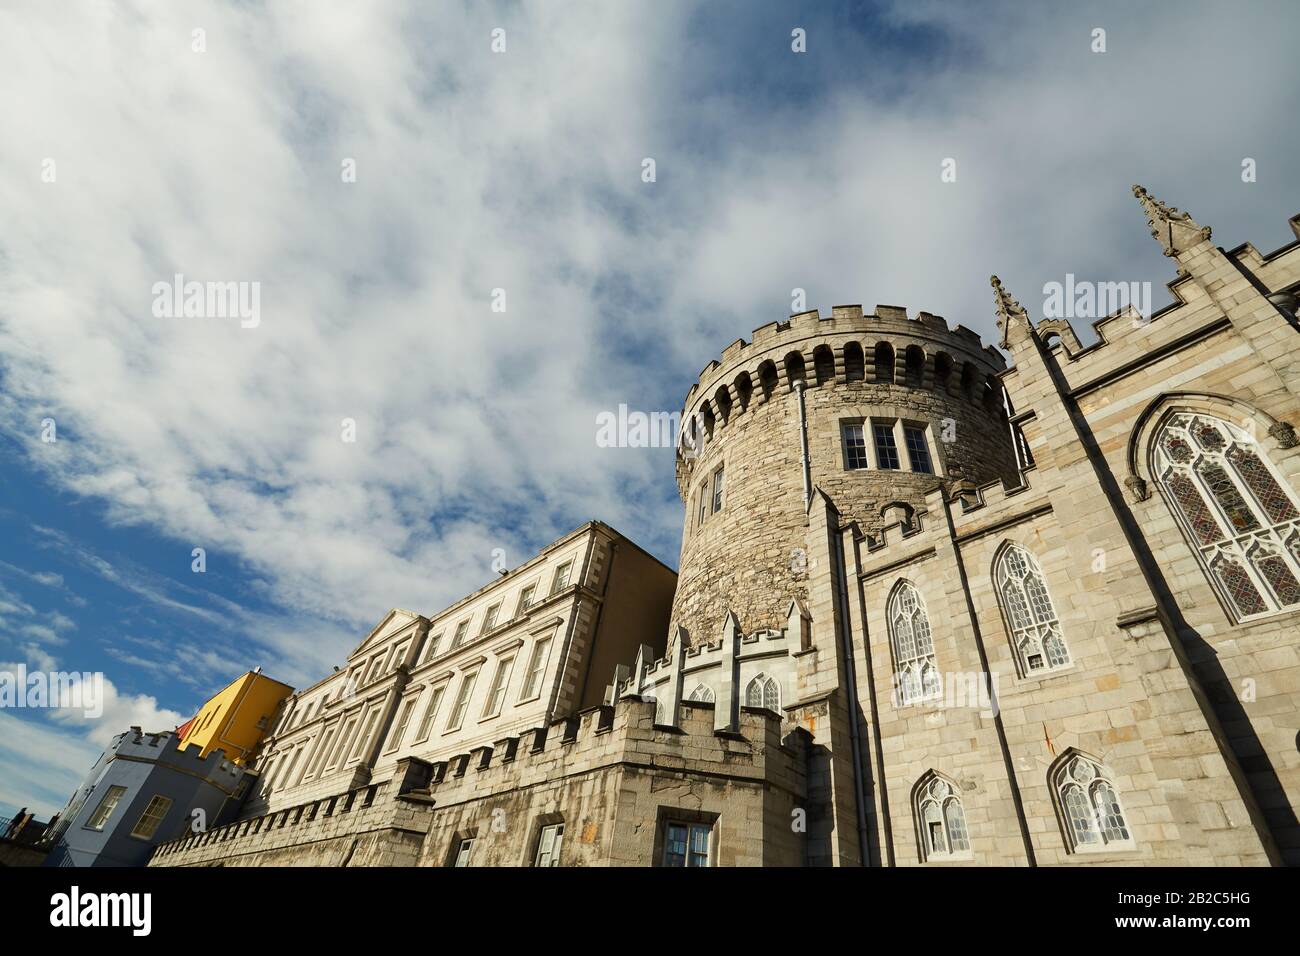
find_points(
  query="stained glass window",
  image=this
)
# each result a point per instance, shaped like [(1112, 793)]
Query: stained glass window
[(1270, 495), (1208, 437), (1274, 569), (1241, 517), (1240, 588), (1176, 447), (1194, 508), (1035, 630), (1229, 498), (916, 673)]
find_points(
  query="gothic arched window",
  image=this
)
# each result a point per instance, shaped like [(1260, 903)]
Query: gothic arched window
[(701, 694), (916, 676), (763, 692), (1239, 515), (941, 819), (1035, 630), (1090, 806)]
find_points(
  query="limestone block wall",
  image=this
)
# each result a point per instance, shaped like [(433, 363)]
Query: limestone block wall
[(1222, 350), (1181, 805), (708, 665), (610, 775)]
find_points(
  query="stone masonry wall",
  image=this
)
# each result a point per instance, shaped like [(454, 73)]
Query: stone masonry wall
[(610, 775), (749, 557)]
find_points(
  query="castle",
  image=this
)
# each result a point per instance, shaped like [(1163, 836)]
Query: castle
[(930, 609)]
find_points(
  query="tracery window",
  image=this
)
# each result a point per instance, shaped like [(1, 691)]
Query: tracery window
[(763, 692), (1035, 629), (1090, 806), (1239, 515), (916, 676), (701, 694), (941, 819)]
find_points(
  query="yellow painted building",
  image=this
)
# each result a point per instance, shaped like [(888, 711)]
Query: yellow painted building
[(236, 719)]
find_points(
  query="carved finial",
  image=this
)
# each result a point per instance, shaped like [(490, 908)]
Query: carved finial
[(1176, 231), (1009, 310)]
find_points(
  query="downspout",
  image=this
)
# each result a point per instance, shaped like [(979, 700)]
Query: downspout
[(851, 676), (804, 461)]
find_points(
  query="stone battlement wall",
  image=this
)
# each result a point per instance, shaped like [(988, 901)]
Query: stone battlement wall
[(750, 555), (846, 323), (551, 770), (166, 748)]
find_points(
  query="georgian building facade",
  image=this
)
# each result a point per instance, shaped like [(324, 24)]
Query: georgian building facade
[(536, 644)]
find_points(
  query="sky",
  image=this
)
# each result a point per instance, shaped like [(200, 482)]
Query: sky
[(381, 171)]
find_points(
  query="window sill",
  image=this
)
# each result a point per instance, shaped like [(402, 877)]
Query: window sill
[(1117, 851), (908, 705), (1038, 677)]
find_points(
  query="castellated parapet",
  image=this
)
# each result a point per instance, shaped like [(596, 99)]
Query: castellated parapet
[(605, 773), (884, 370), (166, 748)]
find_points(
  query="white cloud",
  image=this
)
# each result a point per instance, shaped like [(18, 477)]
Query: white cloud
[(522, 171), (42, 785), (120, 712)]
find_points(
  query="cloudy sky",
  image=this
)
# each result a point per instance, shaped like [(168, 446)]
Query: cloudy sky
[(135, 149)]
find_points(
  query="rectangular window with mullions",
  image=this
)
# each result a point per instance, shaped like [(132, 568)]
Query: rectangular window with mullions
[(152, 818), (105, 808), (886, 447), (918, 451), (548, 845), (687, 844), (717, 491), (855, 447)]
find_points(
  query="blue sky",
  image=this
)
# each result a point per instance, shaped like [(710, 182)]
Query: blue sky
[(518, 170)]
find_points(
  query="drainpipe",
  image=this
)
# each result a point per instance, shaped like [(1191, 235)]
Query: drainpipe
[(804, 461)]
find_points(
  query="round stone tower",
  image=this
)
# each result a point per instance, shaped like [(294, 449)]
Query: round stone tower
[(893, 408)]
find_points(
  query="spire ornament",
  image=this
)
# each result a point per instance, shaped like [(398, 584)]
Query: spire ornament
[(1010, 312), (1176, 231)]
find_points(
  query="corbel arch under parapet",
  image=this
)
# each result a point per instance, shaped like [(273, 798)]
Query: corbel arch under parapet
[(1063, 330)]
